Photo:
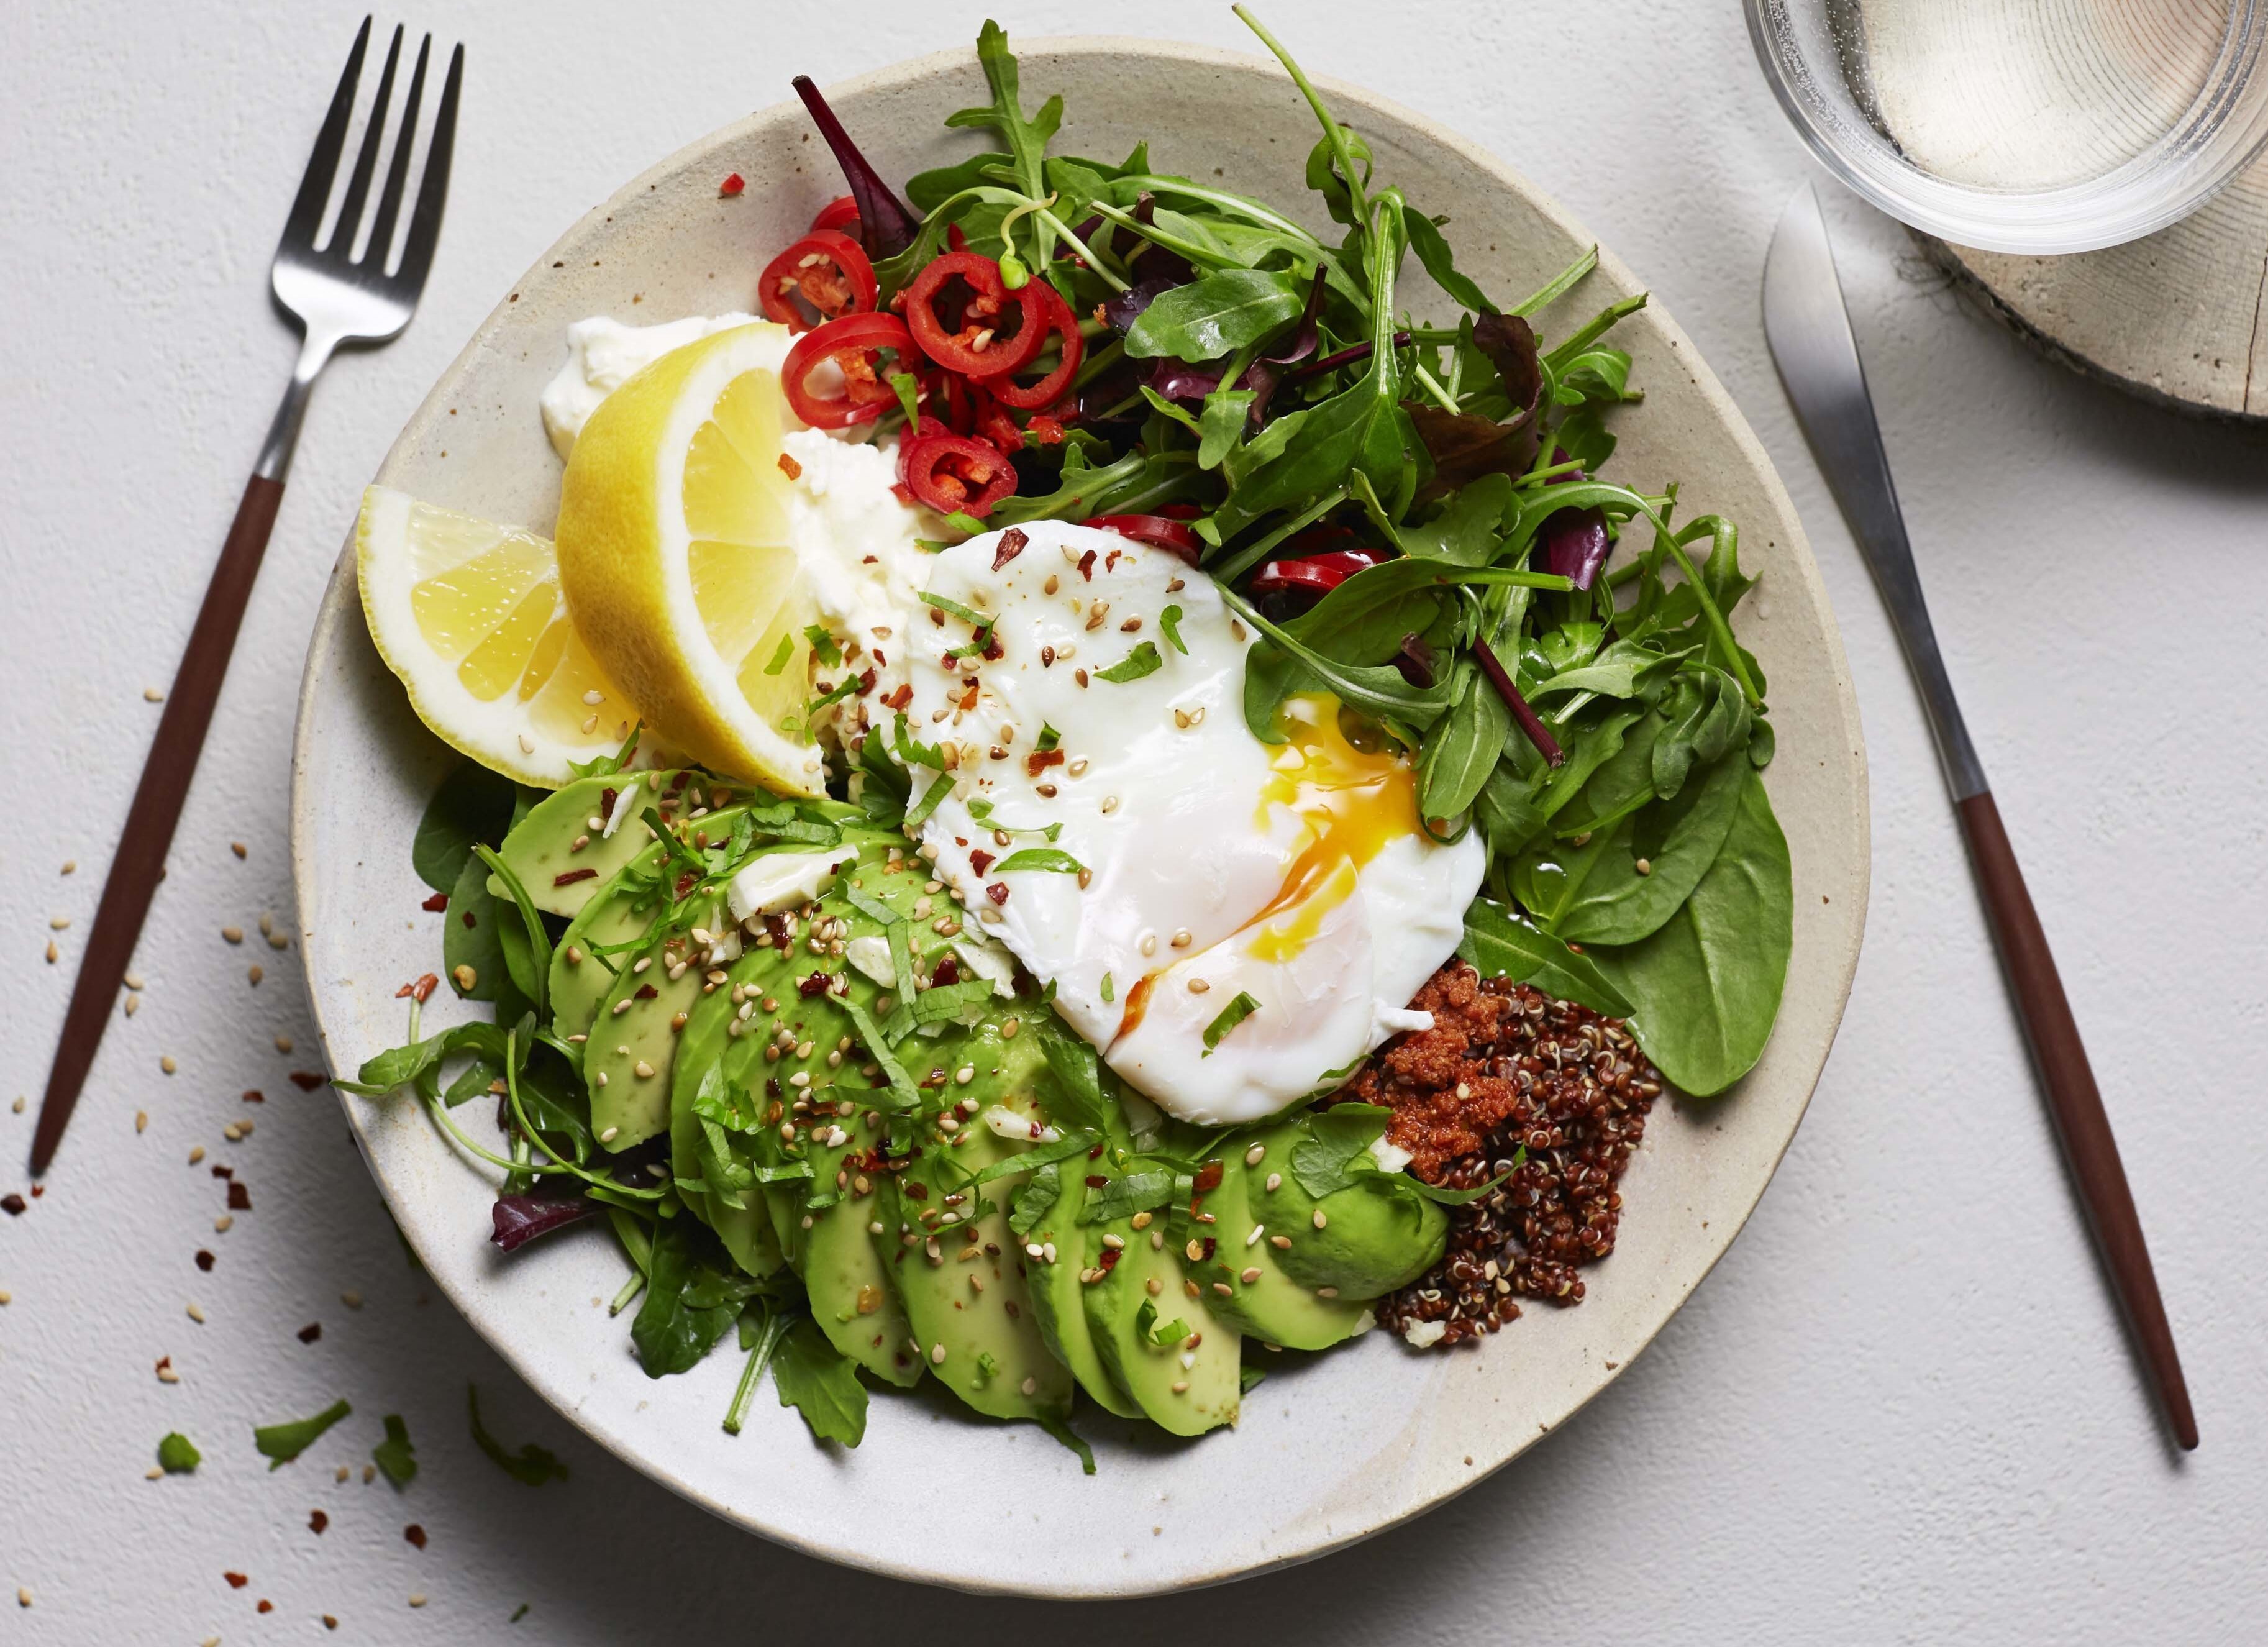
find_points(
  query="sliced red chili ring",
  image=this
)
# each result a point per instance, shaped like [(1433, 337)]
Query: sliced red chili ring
[(1316, 574), (949, 400), (826, 270), (851, 344), (951, 472), (1157, 530), (975, 350), (989, 421), (1055, 316), (838, 213)]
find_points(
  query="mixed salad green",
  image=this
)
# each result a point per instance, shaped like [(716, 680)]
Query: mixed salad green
[(854, 1132)]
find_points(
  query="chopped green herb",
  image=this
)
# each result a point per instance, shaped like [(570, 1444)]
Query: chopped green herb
[(280, 1443), (1048, 736), (1065, 1436), (1162, 1335), (1123, 1197), (907, 387), (1169, 621), (954, 608), (822, 646), (779, 658), (1048, 858), (1143, 659), (393, 1455), (1109, 991), (177, 1455), (964, 523), (940, 786), (1233, 1013)]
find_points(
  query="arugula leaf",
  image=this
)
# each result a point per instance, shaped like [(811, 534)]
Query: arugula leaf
[(1026, 138), (1222, 424), (1233, 1013), (1143, 659), (395, 1455), (672, 1334), (1223, 313), (1433, 252), (280, 1443), (821, 1383), (1337, 1147), (1441, 1197), (532, 1464), (177, 1455), (472, 805), (1048, 858)]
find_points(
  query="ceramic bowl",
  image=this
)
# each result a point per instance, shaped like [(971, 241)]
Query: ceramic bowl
[(1331, 1450)]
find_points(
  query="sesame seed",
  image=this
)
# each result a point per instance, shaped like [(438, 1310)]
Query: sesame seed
[(1275, 1182), (352, 1300), (1199, 987), (1253, 1157), (141, 1117), (1114, 1242), (282, 1043), (133, 1003), (168, 1064), (223, 1224), (1183, 938), (1030, 1386), (1180, 1387), (1320, 1221), (937, 1355), (196, 1314), (151, 695), (1141, 1220), (1224, 1289), (610, 1135), (1250, 1275), (53, 954), (1257, 1231), (197, 1154), (1643, 866), (593, 697), (1327, 1292), (1109, 805)]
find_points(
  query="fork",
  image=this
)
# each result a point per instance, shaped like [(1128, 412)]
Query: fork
[(339, 290)]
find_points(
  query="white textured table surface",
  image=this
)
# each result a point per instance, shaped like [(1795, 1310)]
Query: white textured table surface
[(1901, 1410)]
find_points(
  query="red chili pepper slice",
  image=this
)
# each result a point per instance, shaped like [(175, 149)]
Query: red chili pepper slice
[(852, 344), (1055, 316), (1316, 574), (826, 270), (949, 399), (951, 472), (1156, 530), (838, 213), (976, 348), (1045, 430), (989, 421)]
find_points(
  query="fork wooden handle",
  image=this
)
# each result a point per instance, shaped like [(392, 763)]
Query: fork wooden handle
[(140, 863), (2075, 1104)]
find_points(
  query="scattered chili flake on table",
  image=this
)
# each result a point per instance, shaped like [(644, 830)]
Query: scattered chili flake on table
[(204, 1259), (1504, 1069), (13, 1205), (310, 1333), (317, 1521), (266, 1605), (236, 1581), (307, 1079), (240, 1199), (253, 1095), (416, 1534)]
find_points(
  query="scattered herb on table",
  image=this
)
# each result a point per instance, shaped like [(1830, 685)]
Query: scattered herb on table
[(280, 1443)]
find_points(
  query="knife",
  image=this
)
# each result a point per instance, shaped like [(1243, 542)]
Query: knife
[(1809, 331)]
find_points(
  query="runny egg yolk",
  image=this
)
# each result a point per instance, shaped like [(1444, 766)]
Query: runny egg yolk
[(1352, 802)]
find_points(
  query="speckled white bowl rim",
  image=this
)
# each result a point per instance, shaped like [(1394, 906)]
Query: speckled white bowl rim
[(1330, 1452)]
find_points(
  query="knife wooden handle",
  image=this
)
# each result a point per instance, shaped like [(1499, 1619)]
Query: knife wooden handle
[(140, 863), (2075, 1104)]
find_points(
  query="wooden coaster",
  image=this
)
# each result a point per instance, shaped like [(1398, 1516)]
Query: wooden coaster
[(2180, 317)]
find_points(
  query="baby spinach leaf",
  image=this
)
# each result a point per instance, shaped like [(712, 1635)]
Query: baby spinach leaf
[(1706, 986), (1337, 1147), (1616, 904), (1077, 1099), (177, 1454), (821, 1383), (671, 1334), (280, 1443), (1227, 310), (532, 1464), (470, 934), (1705, 715), (395, 1456), (472, 805), (1499, 943)]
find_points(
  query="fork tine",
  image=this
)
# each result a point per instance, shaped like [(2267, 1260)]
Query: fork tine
[(397, 171), (433, 188), (322, 166), (343, 232)]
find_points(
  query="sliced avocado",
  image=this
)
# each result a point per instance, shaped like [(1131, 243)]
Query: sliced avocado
[(963, 1282), (633, 1044), (580, 976), (1189, 1385), (1377, 1233), (1245, 1284), (852, 1296), (1056, 1289), (561, 877), (745, 1229)]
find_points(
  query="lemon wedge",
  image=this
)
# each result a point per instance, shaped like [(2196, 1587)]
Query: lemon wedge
[(675, 556), (470, 616)]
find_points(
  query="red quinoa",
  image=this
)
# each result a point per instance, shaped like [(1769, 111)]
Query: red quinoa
[(1506, 1067)]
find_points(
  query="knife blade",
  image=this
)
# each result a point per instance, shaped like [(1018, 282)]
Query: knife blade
[(1809, 329)]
